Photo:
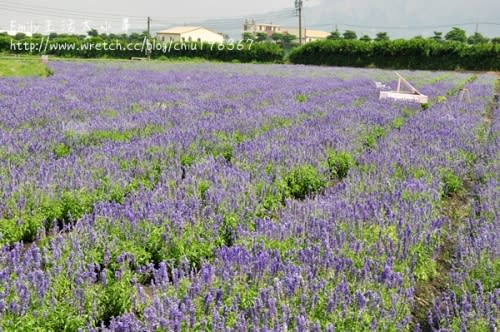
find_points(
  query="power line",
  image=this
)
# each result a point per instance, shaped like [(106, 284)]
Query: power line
[(406, 27), (58, 12)]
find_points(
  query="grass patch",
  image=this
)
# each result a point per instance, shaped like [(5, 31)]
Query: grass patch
[(23, 68), (98, 137)]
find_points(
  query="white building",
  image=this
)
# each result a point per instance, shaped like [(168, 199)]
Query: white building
[(189, 34), (308, 35), (267, 28)]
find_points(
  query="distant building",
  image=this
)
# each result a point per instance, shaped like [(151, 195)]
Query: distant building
[(189, 33), (269, 29), (309, 35)]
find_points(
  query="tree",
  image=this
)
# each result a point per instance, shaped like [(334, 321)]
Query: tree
[(382, 36), (365, 38), (247, 36), (93, 33), (334, 35), (261, 37), (288, 40), (134, 37), (20, 35), (349, 34), (277, 37), (477, 38), (456, 34), (438, 36), (495, 40)]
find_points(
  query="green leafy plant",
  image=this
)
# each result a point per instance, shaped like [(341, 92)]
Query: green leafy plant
[(301, 98), (339, 163), (303, 181), (370, 140), (398, 122), (203, 187), (61, 150), (452, 183)]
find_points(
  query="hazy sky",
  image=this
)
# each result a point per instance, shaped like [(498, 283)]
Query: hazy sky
[(399, 18)]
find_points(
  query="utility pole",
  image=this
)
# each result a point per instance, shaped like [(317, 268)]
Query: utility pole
[(148, 37), (149, 27), (298, 7)]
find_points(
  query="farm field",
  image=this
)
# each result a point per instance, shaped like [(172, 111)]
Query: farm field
[(221, 197)]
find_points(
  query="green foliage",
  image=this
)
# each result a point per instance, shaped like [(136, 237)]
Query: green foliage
[(381, 37), (116, 298), (22, 67), (98, 137), (438, 36), (425, 54), (194, 243), (334, 35), (349, 34), (248, 36), (202, 188), (452, 183), (398, 122), (300, 98), (229, 228), (187, 159), (426, 266), (407, 112), (303, 181), (477, 38), (61, 150), (42, 211), (261, 37), (365, 38), (339, 163), (271, 197), (370, 139), (222, 149), (456, 34), (243, 52), (441, 99)]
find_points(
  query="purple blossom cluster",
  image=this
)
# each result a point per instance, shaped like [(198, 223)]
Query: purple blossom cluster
[(148, 189)]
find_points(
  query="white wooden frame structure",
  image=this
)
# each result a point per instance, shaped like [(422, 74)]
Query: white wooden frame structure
[(411, 94)]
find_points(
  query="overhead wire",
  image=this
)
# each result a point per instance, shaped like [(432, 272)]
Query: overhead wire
[(10, 6)]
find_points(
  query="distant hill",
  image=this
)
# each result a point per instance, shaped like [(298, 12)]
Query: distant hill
[(372, 16)]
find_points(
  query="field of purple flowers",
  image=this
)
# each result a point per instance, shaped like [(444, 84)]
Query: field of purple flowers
[(229, 197)]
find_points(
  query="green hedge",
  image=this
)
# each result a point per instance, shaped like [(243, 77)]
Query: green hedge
[(405, 54), (257, 52)]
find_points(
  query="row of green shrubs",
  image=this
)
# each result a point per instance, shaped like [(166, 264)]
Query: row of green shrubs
[(416, 53), (407, 54), (242, 52)]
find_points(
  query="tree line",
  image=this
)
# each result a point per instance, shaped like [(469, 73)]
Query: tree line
[(455, 34), (450, 51)]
